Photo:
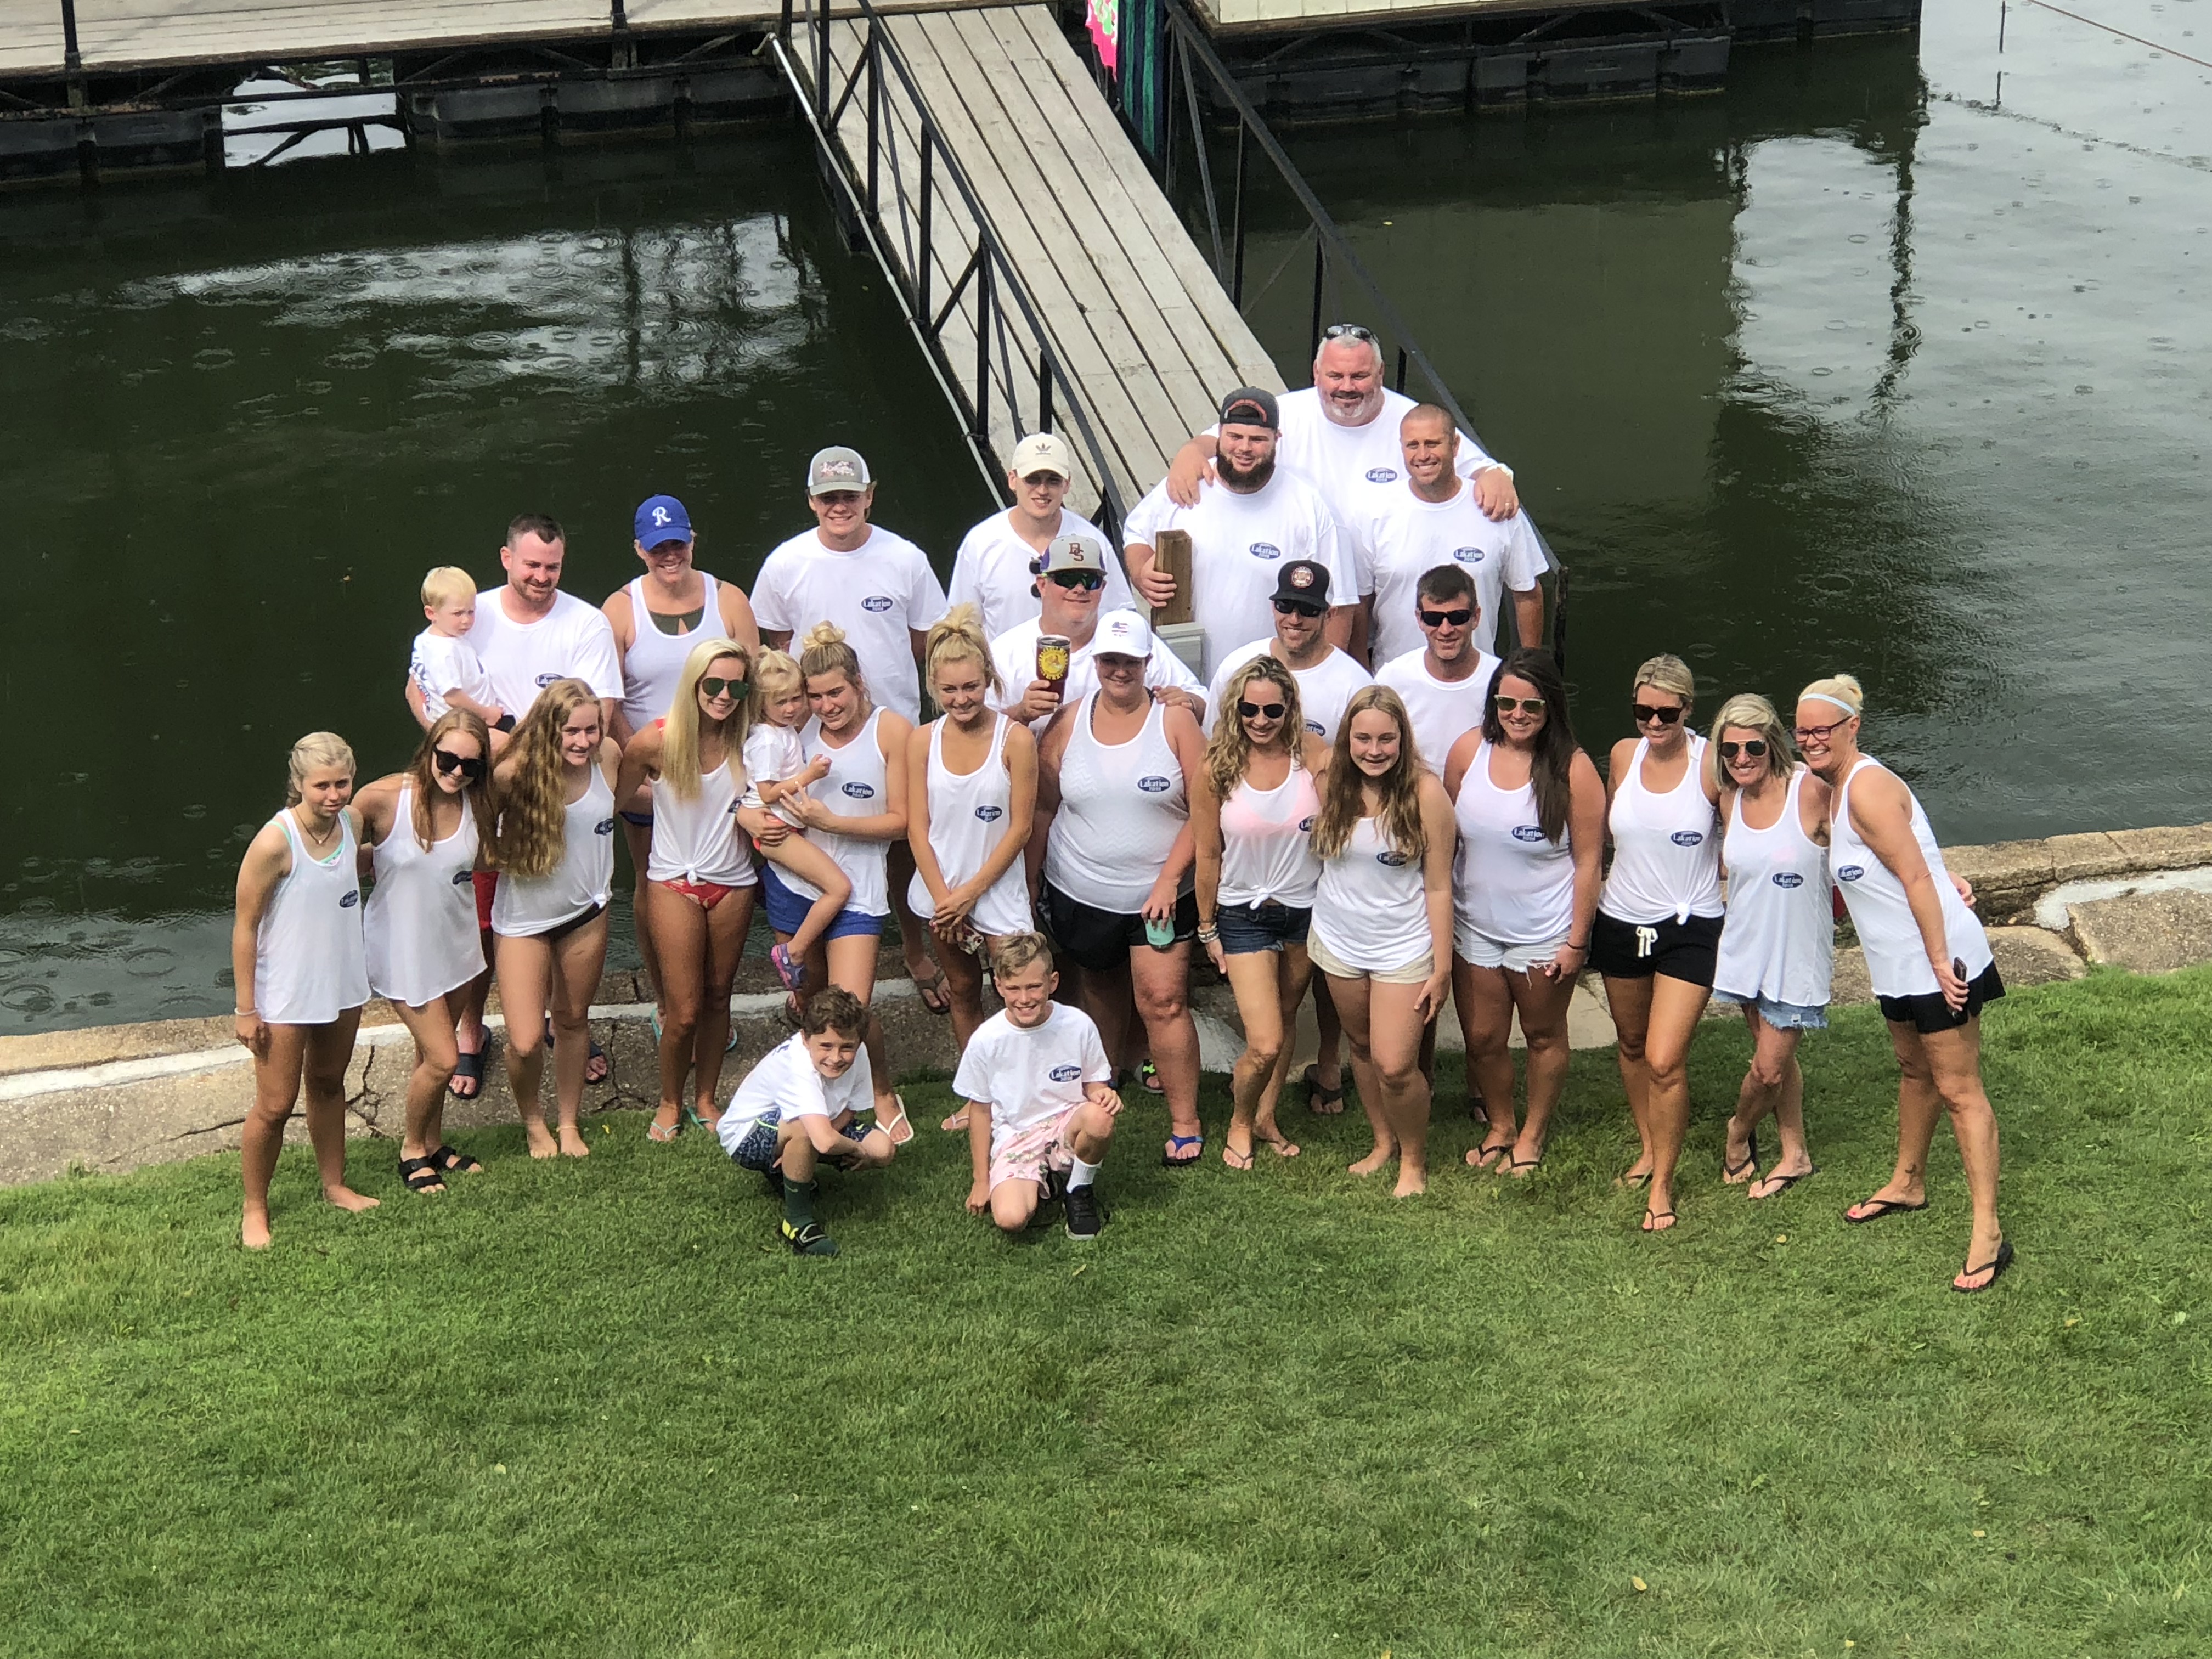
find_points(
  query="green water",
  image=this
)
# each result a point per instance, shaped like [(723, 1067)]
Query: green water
[(1860, 364)]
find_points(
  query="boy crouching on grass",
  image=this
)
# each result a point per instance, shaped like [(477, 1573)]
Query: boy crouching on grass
[(801, 1105), (1040, 1113)]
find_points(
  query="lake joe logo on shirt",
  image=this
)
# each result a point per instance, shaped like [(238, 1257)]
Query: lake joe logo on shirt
[(1467, 554), (463, 878), (604, 827), (990, 814), (876, 602), (1393, 859), (861, 791), (1065, 1073), (1787, 879), (1265, 550), (348, 899), (1686, 838), (1155, 785), (1850, 873), (1381, 474), (1527, 832)]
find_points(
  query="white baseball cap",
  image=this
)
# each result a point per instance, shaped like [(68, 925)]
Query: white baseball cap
[(1121, 634), (1041, 452)]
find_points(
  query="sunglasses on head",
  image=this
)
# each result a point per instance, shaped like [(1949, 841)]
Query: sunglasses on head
[(1263, 711), (1296, 608), (1756, 749), (1348, 331), (1458, 616), (471, 767), (714, 688), (1526, 705), (1088, 581), (1645, 712)]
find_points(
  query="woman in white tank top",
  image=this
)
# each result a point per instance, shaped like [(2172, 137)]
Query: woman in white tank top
[(971, 798), (1657, 930), (1112, 795), (1252, 810), (1929, 962), (1382, 920), (699, 886), (1778, 952), (297, 959), (427, 825), (1530, 814), (555, 852)]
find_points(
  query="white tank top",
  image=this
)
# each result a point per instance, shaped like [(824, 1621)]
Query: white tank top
[(854, 788), (309, 966), (1122, 806), (528, 905), (1896, 960), (420, 927), (1665, 848), (1511, 884), (967, 821), (698, 840), (654, 660), (1780, 939), (1369, 909), (1267, 843)]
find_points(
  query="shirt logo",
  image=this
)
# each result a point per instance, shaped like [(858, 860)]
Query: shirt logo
[(605, 827), (544, 680), (732, 812), (861, 791), (1317, 728), (1265, 550), (1526, 832), (1065, 1073), (463, 878), (1787, 879), (1154, 784), (990, 814), (1467, 554), (877, 603), (1850, 873), (1381, 474), (1391, 860), (1305, 826), (348, 899), (1685, 838)]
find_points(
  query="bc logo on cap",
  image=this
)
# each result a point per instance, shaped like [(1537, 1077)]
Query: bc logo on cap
[(876, 602), (1850, 873), (990, 814), (1065, 1073), (861, 791), (1467, 554), (1526, 832), (1265, 550), (1381, 474), (351, 897), (1155, 785), (1687, 838), (1787, 879)]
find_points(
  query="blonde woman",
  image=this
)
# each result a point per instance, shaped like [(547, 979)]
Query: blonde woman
[(1658, 923), (555, 853), (1252, 810), (297, 959), (1530, 813), (971, 793), (1778, 952), (1382, 920), (1931, 964), (699, 885), (428, 825)]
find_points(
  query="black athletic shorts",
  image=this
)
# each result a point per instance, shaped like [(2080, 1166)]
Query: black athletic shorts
[(1100, 940), (1931, 1013), (1680, 950)]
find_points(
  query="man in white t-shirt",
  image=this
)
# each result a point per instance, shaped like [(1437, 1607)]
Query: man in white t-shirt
[(1428, 518), (1340, 435), (1327, 677), (1445, 683), (996, 568), (1040, 1102), (1246, 523), (1070, 586)]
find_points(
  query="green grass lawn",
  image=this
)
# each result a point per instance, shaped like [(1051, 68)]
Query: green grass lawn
[(596, 1410)]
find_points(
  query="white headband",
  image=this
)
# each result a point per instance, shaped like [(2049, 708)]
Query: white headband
[(1832, 702)]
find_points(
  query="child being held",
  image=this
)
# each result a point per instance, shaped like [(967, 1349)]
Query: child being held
[(444, 665), (777, 772), (801, 1105), (1040, 1111)]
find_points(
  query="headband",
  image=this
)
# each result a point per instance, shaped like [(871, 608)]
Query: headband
[(1832, 702)]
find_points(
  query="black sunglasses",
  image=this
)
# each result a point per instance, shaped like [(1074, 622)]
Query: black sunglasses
[(1263, 711), (1460, 617), (1088, 581), (1348, 331), (1756, 748), (471, 767), (1298, 608), (1644, 711), (714, 688)]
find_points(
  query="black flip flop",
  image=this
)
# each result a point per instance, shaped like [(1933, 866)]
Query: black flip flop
[(419, 1175), (1787, 1180), (1879, 1208), (1650, 1216), (472, 1067), (1317, 1097), (1750, 1158), (1995, 1268)]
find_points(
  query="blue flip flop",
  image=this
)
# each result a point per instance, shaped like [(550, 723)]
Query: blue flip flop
[(1176, 1142)]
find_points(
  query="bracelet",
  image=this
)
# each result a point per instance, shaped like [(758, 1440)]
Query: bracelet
[(1208, 933), (1584, 948), (244, 1013)]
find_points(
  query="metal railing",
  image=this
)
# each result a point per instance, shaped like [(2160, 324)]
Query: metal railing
[(1178, 57), (962, 293)]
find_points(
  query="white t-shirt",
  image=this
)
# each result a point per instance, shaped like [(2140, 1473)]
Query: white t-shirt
[(1238, 547), (1014, 653), (876, 593), (1401, 537), (992, 572), (442, 663), (1442, 710), (573, 640), (1323, 689), (1343, 462), (786, 1082), (1027, 1077), (777, 753)]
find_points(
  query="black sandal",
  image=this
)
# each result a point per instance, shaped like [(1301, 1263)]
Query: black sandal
[(467, 1069), (1750, 1163), (451, 1160), (420, 1175), (1994, 1268), (1322, 1102)]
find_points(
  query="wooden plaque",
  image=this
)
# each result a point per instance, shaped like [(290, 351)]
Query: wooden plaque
[(1171, 553)]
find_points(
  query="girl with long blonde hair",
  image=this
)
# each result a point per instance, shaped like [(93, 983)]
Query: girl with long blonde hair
[(777, 774), (1252, 811), (555, 853)]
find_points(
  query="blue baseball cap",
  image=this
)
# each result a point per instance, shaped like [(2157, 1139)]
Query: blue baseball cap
[(661, 519)]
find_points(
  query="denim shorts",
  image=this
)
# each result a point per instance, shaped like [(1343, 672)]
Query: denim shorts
[(1247, 929), (1782, 1016), (787, 911)]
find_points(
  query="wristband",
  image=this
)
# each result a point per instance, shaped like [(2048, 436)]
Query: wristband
[(1208, 933), (1584, 948), (245, 1013)]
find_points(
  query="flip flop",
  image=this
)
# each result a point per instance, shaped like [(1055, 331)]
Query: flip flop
[(1485, 1156), (453, 1162), (691, 1115), (1235, 1159), (1322, 1102), (1994, 1268), (662, 1133), (1278, 1142), (1514, 1166), (606, 1074), (1650, 1216), (955, 1123), (1148, 1077), (468, 1069), (1635, 1182), (899, 1129), (933, 995), (1876, 1208), (1750, 1158), (1786, 1183), (1176, 1142)]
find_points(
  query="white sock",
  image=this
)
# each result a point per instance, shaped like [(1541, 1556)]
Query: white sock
[(1080, 1174)]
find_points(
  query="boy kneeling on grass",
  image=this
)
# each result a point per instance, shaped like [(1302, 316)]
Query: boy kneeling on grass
[(801, 1105), (1040, 1111)]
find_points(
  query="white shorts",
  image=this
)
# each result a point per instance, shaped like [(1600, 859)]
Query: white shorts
[(1486, 952), (1415, 972)]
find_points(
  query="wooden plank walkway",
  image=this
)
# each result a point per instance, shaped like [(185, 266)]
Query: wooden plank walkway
[(1131, 308)]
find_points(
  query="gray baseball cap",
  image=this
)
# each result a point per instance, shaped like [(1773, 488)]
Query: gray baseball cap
[(836, 468)]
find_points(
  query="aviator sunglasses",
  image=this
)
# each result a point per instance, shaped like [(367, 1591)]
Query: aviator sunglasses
[(1756, 749), (714, 688), (1527, 705), (1645, 714), (471, 767), (1262, 711)]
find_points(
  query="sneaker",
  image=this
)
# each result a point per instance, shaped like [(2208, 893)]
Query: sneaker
[(1086, 1215), (792, 973), (809, 1240)]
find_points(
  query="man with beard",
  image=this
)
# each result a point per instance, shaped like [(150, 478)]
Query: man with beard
[(1247, 523)]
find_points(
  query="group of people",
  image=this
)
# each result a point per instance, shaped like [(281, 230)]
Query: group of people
[(1367, 783)]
